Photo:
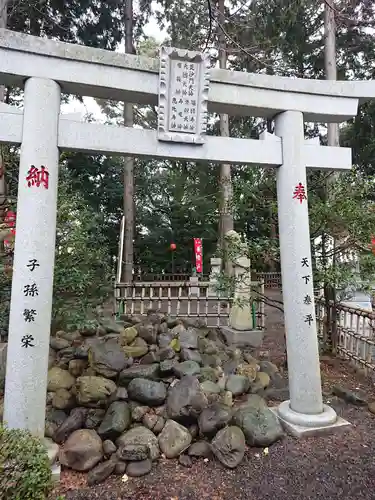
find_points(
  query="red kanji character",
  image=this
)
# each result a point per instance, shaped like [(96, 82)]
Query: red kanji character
[(299, 193), (36, 177)]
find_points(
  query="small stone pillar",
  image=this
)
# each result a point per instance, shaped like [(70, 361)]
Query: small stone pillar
[(194, 286), (240, 315), (215, 271), (241, 329), (34, 255)]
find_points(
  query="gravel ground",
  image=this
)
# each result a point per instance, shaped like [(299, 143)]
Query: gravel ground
[(339, 466)]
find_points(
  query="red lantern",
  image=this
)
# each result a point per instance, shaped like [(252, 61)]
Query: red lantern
[(173, 246)]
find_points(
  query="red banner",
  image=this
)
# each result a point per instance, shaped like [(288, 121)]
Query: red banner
[(198, 250)]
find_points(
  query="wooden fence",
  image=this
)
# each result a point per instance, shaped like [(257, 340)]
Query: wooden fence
[(271, 280), (183, 300), (354, 339)]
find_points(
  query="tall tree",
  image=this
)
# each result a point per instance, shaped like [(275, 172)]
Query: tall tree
[(128, 254), (330, 65), (226, 190)]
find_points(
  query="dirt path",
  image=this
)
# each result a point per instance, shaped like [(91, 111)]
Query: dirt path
[(333, 467)]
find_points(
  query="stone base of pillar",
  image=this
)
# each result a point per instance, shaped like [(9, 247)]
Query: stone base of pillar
[(301, 424), (55, 473), (242, 338), (53, 453)]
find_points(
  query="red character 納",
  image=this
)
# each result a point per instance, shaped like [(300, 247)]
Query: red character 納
[(37, 177)]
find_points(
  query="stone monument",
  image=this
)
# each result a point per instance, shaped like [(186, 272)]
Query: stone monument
[(215, 272), (241, 329)]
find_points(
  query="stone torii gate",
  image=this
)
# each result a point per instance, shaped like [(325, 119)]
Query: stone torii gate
[(46, 68)]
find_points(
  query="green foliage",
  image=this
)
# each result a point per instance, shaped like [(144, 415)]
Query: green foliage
[(5, 289), (82, 277), (94, 23), (25, 471)]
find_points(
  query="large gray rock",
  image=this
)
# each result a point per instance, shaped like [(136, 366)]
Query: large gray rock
[(187, 368), (140, 436), (58, 343), (148, 392), (136, 349), (186, 399), (190, 355), (91, 391), (150, 358), (74, 422), (177, 329), (64, 356), (116, 421), (82, 450), (110, 325), (213, 418), (59, 379), (147, 332), (77, 367), (133, 452), (138, 469), (189, 338), (108, 359), (164, 339), (260, 426), (228, 446), (166, 353), (109, 448), (209, 387), (128, 336), (138, 411), (150, 372), (199, 449), (63, 400), (174, 439), (208, 373), (166, 367), (354, 398), (268, 367), (101, 472), (94, 418), (54, 419), (237, 384)]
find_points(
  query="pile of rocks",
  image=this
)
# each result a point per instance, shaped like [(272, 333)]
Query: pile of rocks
[(122, 394)]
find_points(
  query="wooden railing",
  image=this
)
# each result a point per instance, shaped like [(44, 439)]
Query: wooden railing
[(271, 280), (182, 300), (352, 335)]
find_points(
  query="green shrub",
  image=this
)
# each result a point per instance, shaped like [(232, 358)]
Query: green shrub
[(25, 471)]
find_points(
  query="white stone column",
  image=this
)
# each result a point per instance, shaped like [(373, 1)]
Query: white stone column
[(305, 407), (31, 300)]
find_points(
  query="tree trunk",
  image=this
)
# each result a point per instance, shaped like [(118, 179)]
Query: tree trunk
[(226, 214), (332, 140), (330, 61), (128, 255)]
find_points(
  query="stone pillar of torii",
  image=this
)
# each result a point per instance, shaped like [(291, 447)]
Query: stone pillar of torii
[(183, 87)]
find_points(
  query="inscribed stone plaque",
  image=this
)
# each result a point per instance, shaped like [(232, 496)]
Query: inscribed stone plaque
[(183, 94)]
